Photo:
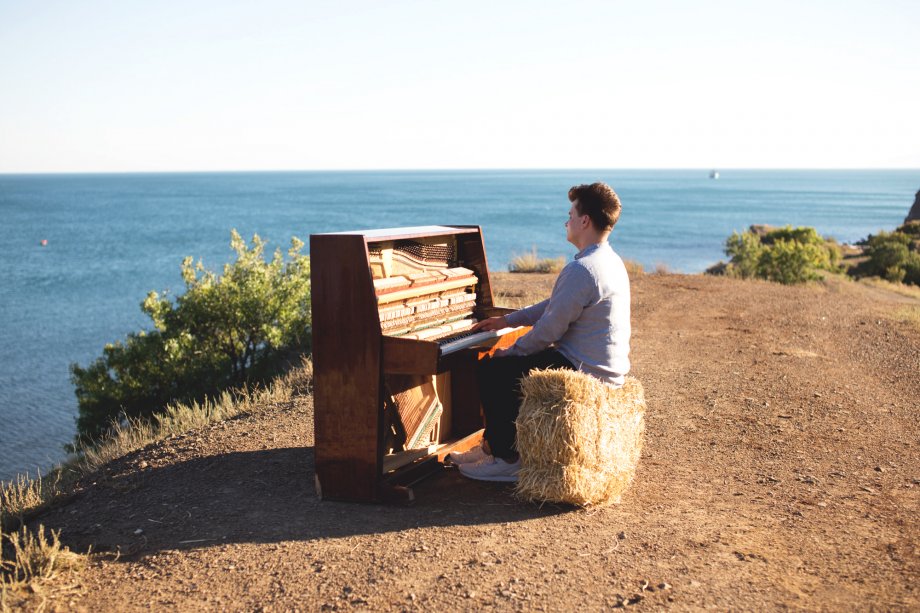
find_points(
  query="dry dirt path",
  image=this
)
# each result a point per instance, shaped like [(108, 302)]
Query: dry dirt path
[(780, 472)]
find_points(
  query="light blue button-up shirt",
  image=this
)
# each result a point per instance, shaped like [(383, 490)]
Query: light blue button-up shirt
[(586, 318)]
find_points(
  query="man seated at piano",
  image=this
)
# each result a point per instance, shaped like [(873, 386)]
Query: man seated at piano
[(584, 325)]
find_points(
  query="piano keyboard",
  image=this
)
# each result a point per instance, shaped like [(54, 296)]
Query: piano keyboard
[(450, 344)]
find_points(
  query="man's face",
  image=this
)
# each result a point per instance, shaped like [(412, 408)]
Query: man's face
[(576, 224)]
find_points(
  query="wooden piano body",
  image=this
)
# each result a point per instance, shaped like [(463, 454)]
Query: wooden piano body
[(356, 363)]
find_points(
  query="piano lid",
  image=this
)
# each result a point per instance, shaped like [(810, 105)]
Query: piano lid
[(384, 234)]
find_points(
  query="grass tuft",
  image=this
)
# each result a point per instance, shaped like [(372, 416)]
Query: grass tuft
[(25, 495), (530, 262), (909, 314), (29, 556), (633, 268)]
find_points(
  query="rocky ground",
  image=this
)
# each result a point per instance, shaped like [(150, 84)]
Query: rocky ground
[(781, 470)]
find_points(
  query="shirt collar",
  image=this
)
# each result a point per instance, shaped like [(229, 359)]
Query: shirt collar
[(590, 249)]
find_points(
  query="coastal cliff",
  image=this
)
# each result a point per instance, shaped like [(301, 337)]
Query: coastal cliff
[(914, 214), (778, 472)]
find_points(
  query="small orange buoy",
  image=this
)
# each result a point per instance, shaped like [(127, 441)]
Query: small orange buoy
[(44, 242)]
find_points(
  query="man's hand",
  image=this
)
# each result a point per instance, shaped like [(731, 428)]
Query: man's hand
[(490, 324)]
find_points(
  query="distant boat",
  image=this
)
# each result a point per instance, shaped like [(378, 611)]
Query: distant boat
[(713, 174)]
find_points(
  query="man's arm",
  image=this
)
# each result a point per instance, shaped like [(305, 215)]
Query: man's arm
[(572, 292), (523, 317), (528, 316)]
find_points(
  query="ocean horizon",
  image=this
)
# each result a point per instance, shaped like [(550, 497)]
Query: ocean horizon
[(109, 238)]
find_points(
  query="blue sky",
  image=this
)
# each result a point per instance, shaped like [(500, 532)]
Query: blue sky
[(275, 85)]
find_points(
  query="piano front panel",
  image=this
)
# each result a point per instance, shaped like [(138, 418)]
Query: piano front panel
[(409, 356)]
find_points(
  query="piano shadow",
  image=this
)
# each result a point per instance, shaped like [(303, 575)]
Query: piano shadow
[(264, 497)]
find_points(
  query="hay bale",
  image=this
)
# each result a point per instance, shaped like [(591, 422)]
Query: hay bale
[(579, 438)]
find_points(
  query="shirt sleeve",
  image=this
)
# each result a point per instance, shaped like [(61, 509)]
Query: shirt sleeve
[(527, 316), (571, 294)]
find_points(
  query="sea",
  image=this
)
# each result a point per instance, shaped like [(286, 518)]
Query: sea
[(83, 250)]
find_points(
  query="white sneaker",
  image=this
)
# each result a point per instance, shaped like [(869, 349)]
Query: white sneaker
[(468, 457), (491, 469)]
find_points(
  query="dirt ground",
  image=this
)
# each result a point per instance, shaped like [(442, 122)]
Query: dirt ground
[(781, 470)]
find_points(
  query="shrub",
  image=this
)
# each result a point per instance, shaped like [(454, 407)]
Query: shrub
[(225, 330), (745, 250), (894, 256), (911, 228), (786, 255)]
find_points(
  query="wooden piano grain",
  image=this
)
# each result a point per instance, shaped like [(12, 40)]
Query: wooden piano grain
[(351, 359), (408, 356), (347, 424)]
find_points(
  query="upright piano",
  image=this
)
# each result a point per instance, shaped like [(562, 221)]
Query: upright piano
[(394, 361)]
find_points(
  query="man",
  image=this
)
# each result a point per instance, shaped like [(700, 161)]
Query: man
[(584, 325)]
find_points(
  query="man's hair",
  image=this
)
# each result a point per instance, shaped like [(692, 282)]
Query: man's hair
[(599, 202)]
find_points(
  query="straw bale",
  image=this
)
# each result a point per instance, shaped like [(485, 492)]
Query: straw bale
[(579, 438)]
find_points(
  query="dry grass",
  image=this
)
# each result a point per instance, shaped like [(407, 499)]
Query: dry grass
[(909, 314), (179, 418), (911, 291), (25, 496), (579, 439), (29, 557), (633, 268), (530, 262)]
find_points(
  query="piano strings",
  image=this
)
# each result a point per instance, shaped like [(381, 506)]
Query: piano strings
[(421, 291), (421, 294)]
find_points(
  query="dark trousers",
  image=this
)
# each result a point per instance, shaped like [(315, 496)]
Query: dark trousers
[(500, 393)]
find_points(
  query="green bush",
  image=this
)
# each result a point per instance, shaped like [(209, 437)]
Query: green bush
[(911, 228), (786, 255), (225, 330), (894, 256), (745, 250)]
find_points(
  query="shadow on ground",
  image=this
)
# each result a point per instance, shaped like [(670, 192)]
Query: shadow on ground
[(261, 496)]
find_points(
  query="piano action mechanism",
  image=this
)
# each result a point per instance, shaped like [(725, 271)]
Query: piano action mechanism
[(394, 362)]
